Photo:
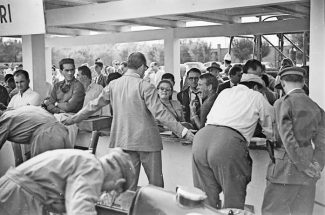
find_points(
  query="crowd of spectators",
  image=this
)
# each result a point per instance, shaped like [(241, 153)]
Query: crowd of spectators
[(226, 107)]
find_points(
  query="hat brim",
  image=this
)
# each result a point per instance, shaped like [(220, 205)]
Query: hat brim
[(214, 67)]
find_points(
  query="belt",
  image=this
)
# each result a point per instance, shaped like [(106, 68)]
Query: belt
[(223, 126)]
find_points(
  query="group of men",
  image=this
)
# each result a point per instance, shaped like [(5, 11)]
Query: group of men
[(225, 115)]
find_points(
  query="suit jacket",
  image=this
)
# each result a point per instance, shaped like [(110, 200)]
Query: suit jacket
[(223, 86), (184, 98), (136, 106), (300, 123)]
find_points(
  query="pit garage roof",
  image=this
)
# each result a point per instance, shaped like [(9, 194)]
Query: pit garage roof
[(88, 17)]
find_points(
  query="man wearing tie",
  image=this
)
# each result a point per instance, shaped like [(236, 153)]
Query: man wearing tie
[(185, 97)]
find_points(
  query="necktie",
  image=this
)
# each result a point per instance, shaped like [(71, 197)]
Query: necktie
[(197, 99)]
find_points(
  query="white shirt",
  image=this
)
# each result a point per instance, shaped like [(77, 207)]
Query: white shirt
[(92, 92), (154, 77), (241, 108), (29, 97)]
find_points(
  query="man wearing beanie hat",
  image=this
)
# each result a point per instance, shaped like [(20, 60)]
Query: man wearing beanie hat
[(64, 181), (291, 179), (221, 161)]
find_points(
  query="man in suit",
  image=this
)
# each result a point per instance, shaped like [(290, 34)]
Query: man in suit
[(186, 96), (136, 105), (291, 179), (235, 74)]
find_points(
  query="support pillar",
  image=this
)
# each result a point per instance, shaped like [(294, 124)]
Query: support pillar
[(317, 52), (172, 57), (34, 61), (48, 64)]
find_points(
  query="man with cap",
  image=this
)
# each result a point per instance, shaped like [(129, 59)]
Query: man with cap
[(221, 161), (215, 70), (67, 96), (136, 107), (64, 181), (291, 179)]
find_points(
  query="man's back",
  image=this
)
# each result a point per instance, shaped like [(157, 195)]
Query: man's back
[(134, 102), (61, 180)]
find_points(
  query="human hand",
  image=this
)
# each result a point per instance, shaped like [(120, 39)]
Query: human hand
[(189, 135), (68, 121), (313, 170), (193, 106)]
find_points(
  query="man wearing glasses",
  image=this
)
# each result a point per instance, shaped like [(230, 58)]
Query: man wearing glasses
[(191, 95), (136, 105)]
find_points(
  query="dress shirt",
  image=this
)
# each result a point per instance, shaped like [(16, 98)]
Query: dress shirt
[(241, 108), (92, 92), (136, 105), (29, 97)]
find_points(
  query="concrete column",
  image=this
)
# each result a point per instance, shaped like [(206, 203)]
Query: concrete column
[(48, 64), (317, 52), (34, 61), (172, 56)]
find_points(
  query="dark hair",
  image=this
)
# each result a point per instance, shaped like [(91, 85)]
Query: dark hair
[(210, 80), (21, 72), (251, 84), (193, 70), (100, 64), (8, 76), (265, 78), (85, 71), (293, 78), (66, 61), (236, 68), (168, 76), (136, 60), (253, 64), (287, 62), (228, 61)]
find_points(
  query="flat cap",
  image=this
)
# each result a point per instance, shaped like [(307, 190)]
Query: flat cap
[(292, 71)]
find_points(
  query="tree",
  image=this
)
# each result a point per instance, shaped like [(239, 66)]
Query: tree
[(242, 49), (265, 49), (10, 51)]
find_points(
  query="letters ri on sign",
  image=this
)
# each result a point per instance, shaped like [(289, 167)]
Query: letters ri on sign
[(5, 14)]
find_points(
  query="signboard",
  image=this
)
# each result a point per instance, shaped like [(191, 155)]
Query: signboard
[(21, 17)]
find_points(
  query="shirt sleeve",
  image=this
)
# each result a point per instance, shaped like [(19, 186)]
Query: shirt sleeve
[(82, 191), (93, 106), (157, 109), (76, 99), (4, 129), (266, 118), (290, 143), (35, 100)]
